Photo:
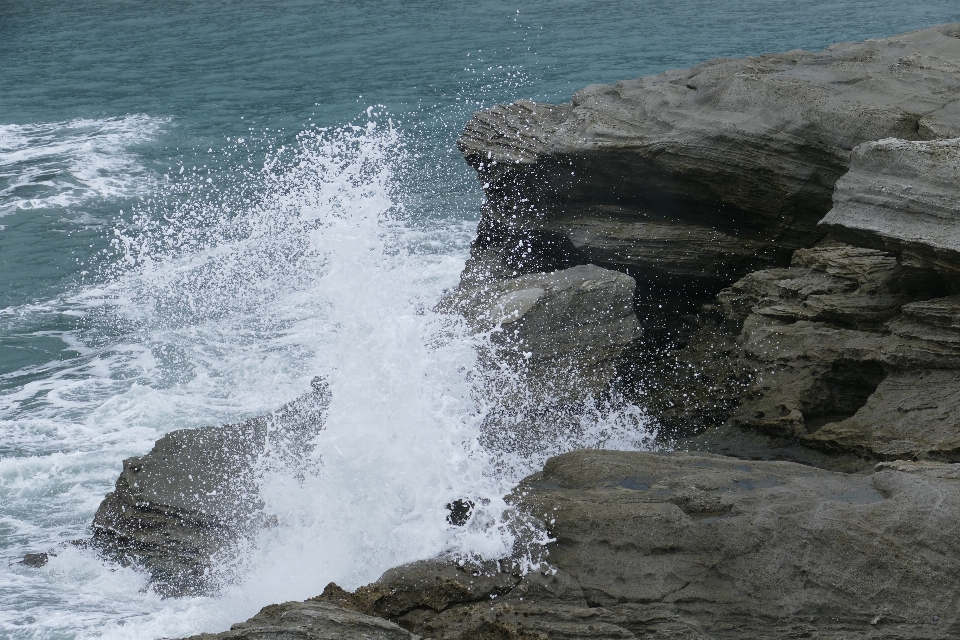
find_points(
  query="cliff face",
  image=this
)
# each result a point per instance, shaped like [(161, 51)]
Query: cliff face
[(707, 173), (901, 196)]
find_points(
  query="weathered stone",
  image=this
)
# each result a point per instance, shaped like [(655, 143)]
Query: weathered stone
[(702, 547), (904, 197), (708, 173), (310, 620), (195, 494), (733, 549), (562, 332)]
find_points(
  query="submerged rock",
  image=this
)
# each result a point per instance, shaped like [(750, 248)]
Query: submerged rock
[(195, 494)]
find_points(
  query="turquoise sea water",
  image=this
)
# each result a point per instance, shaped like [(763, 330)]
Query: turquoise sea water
[(204, 204)]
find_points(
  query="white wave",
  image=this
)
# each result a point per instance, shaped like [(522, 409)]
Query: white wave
[(60, 164), (226, 305)]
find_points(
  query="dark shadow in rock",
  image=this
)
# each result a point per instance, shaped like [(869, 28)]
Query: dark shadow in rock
[(841, 392)]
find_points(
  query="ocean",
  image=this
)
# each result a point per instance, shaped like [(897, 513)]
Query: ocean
[(205, 204)]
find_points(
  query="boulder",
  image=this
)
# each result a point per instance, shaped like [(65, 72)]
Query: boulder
[(903, 196), (196, 494), (698, 546), (699, 176), (561, 331)]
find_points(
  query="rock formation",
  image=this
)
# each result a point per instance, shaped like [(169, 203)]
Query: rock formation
[(690, 546), (901, 196), (195, 494), (561, 331), (702, 175), (835, 350), (786, 226)]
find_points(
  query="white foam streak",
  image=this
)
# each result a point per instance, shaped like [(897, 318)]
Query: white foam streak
[(62, 164)]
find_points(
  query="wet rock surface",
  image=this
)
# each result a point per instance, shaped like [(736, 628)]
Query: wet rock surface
[(686, 206), (195, 494), (561, 331), (707, 173), (693, 546)]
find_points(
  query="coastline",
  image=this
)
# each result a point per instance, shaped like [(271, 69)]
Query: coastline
[(735, 197)]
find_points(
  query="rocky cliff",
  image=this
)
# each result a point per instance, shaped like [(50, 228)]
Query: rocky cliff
[(699, 176)]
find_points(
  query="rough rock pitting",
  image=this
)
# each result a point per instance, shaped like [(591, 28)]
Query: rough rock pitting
[(902, 196), (847, 351), (195, 494), (711, 172)]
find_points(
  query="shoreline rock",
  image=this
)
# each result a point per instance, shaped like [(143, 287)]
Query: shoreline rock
[(901, 196), (708, 173), (692, 546), (561, 332), (194, 495)]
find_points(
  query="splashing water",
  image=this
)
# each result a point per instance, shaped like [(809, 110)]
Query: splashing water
[(227, 301)]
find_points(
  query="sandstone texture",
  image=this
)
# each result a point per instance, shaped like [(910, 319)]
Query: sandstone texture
[(708, 173), (688, 546), (846, 352), (195, 494)]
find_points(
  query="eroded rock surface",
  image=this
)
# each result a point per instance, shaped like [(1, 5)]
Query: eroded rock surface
[(310, 621), (708, 173), (847, 351), (902, 196), (195, 493), (697, 547)]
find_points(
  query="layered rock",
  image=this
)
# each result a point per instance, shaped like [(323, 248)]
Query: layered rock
[(902, 196), (688, 546), (195, 494), (708, 173), (311, 621), (847, 352)]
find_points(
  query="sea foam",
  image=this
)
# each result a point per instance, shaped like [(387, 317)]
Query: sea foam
[(224, 303)]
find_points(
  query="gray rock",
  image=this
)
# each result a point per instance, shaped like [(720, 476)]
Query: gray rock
[(310, 620), (562, 331), (904, 197), (708, 173), (842, 359), (195, 494), (703, 547), (718, 548)]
